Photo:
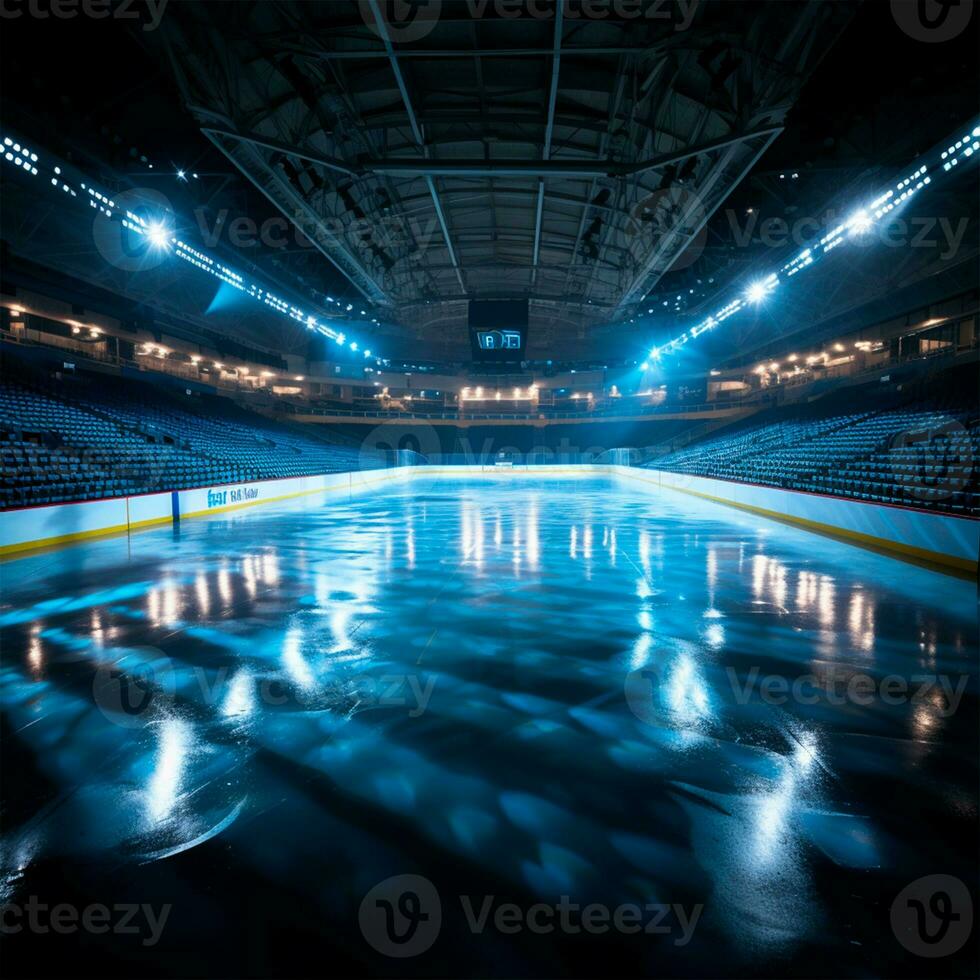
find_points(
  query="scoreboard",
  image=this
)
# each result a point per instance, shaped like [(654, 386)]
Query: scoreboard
[(498, 330), (499, 339)]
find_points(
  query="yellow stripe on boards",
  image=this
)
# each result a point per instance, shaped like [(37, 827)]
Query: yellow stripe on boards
[(63, 540), (922, 556)]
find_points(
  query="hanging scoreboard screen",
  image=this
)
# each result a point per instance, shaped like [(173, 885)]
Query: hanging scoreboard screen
[(498, 330), (499, 339)]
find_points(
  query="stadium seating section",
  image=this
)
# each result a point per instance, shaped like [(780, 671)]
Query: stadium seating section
[(920, 451), (88, 438)]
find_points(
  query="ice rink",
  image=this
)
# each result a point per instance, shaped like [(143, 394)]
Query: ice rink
[(541, 691)]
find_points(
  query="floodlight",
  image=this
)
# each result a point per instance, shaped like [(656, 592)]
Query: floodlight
[(158, 234)]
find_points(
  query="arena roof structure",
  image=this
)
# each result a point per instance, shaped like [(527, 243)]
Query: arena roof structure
[(464, 153)]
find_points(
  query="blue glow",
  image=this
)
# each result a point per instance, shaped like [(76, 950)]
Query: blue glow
[(760, 289), (860, 221), (613, 758), (159, 235), (225, 296)]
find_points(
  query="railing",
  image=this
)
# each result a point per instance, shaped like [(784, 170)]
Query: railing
[(618, 456), (539, 457), (599, 415), (787, 390)]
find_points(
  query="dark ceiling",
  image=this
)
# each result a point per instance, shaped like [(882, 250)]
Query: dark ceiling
[(567, 158), (552, 155)]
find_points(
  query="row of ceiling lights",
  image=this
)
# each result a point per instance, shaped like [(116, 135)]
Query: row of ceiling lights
[(159, 236), (860, 221), (158, 350), (76, 328), (835, 353)]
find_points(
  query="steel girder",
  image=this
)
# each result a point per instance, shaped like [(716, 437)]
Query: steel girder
[(572, 162)]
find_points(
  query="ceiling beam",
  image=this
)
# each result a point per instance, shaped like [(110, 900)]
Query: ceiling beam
[(637, 288), (355, 54), (548, 133), (546, 167), (382, 28), (555, 168), (320, 235), (283, 147)]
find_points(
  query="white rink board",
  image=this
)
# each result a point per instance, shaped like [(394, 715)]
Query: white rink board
[(941, 538), (28, 528)]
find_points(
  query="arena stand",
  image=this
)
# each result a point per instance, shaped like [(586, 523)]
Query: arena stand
[(87, 437), (916, 448), (90, 436)]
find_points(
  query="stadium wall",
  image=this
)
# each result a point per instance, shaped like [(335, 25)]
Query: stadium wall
[(46, 525), (944, 540), (473, 439)]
